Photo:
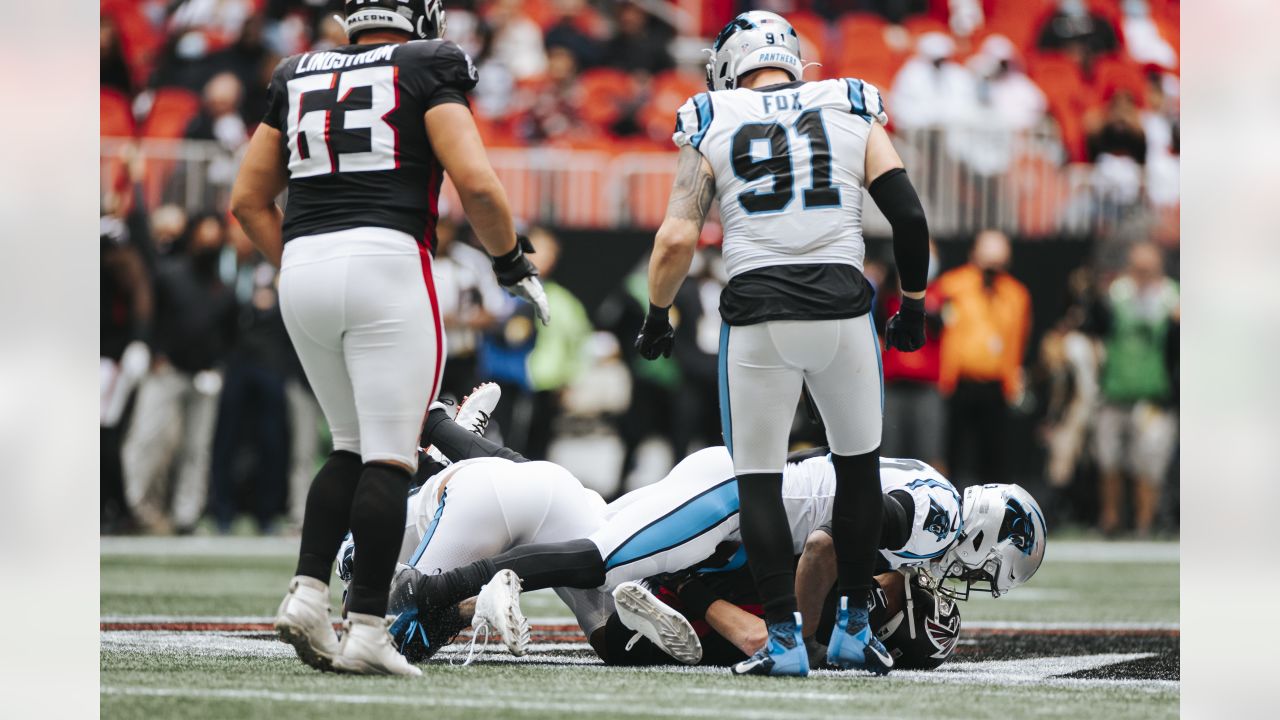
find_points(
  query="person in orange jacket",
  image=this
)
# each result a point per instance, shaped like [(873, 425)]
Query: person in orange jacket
[(987, 316)]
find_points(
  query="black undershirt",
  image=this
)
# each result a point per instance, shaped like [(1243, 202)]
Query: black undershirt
[(820, 291)]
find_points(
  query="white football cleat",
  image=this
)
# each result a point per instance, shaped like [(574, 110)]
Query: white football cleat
[(303, 622), (498, 609), (475, 409), (641, 611), (367, 649)]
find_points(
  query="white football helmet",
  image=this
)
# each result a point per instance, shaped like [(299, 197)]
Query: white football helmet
[(1000, 546), (753, 40)]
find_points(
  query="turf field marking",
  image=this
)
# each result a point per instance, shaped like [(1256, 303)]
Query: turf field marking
[(518, 705)]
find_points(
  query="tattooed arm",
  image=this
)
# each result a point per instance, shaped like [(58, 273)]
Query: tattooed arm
[(673, 246)]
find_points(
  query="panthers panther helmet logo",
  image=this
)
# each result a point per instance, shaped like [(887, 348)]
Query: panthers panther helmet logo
[(937, 521)]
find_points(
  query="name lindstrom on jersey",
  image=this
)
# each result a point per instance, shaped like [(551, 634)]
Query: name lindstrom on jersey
[(334, 61)]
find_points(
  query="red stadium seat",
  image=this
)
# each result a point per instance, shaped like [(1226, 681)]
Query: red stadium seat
[(918, 25), (1068, 95), (115, 117), (171, 111), (1115, 73), (603, 92), (812, 31), (863, 51), (670, 90), (1018, 20)]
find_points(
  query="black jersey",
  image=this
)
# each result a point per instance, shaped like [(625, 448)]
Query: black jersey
[(357, 148)]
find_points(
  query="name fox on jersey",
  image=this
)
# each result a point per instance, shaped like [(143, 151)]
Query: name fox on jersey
[(775, 103), (334, 61)]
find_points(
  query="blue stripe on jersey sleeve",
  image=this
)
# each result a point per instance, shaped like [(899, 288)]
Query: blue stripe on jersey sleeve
[(706, 113), (857, 105)]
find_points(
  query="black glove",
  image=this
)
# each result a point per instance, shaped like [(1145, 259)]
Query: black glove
[(656, 335), (515, 266), (905, 331), (520, 278)]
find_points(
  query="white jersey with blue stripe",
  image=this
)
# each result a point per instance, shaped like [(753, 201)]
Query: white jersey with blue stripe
[(934, 527), (789, 162)]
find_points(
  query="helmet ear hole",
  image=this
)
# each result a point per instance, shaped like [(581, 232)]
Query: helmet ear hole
[(977, 539)]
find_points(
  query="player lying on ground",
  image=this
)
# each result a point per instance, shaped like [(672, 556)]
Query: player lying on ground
[(922, 512)]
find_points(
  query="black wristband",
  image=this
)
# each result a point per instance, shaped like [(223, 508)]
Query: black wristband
[(913, 304), (659, 313), (697, 597), (508, 260)]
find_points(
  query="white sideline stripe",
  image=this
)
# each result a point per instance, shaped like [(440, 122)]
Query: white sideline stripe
[(1101, 551), (523, 705), (568, 620)]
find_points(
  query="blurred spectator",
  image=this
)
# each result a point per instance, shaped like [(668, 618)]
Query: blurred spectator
[(1137, 426), (1067, 382), (251, 408), (1142, 37), (1160, 128), (655, 384), (1075, 30), (516, 40), (331, 34), (987, 317), (1117, 146), (173, 421), (553, 101), (219, 117), (126, 306), (570, 31), (932, 90), (249, 60), (557, 356), (639, 42), (470, 301), (113, 70), (697, 313), (1007, 98), (914, 414)]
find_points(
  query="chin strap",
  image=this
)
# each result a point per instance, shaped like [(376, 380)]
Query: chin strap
[(341, 21), (911, 607), (471, 649), (806, 66)]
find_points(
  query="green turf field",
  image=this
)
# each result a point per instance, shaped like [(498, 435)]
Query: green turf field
[(1093, 634)]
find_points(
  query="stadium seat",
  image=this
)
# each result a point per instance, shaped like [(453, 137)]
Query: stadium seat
[(603, 92), (1118, 72), (864, 53), (1018, 20), (171, 111), (812, 31), (918, 25), (670, 90), (115, 115), (1068, 95)]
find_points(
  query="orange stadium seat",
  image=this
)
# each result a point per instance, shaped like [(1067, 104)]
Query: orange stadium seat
[(115, 115), (918, 25), (1018, 20), (1069, 97), (170, 112)]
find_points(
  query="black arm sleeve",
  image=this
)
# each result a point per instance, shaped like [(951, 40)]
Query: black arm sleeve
[(895, 528), (897, 199)]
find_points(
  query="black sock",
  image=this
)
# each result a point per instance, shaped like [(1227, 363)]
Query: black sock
[(328, 514), (856, 517), (574, 564), (458, 443), (377, 527), (766, 535)]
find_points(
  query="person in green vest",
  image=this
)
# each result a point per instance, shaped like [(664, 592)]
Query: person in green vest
[(1137, 428), (558, 355)]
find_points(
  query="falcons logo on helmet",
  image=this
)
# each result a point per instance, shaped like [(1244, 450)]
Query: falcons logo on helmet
[(943, 633)]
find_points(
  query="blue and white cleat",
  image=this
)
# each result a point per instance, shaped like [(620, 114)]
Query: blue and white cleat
[(417, 632), (784, 654), (853, 646)]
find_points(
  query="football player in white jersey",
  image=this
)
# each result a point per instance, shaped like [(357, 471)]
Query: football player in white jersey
[(789, 162), (531, 512)]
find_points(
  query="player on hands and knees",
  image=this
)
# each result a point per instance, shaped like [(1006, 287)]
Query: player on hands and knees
[(361, 135), (788, 162)]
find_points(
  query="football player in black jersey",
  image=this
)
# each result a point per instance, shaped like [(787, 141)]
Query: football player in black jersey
[(361, 136)]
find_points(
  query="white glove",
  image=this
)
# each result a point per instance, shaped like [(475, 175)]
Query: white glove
[(530, 289), (135, 360)]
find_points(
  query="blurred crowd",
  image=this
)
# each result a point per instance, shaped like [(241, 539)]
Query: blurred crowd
[(206, 415), (1100, 76)]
